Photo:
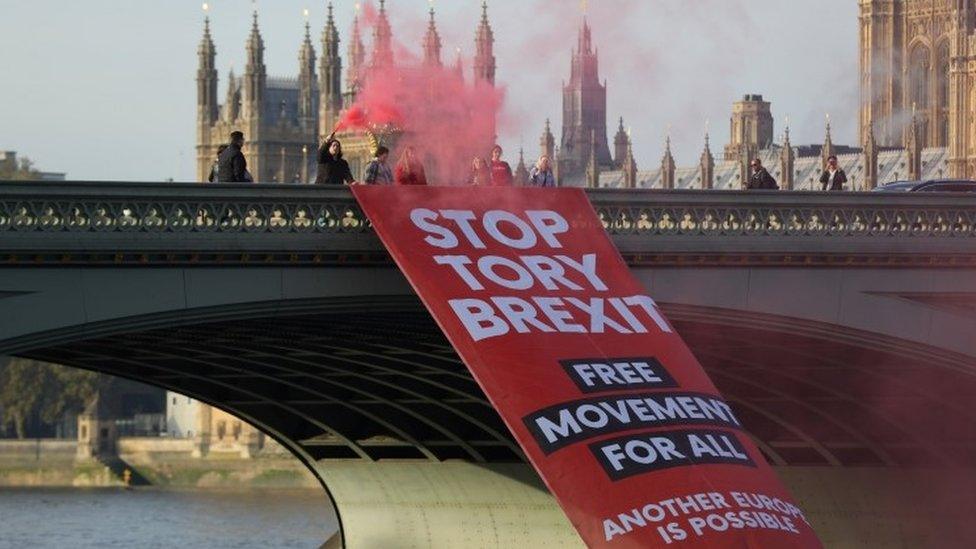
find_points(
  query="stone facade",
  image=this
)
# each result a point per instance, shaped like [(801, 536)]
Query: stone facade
[(918, 61)]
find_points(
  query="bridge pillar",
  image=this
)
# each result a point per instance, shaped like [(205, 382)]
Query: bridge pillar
[(410, 504), (407, 504)]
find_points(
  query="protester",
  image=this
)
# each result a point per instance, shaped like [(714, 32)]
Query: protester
[(377, 171), (231, 164), (501, 172), (214, 176), (480, 173), (833, 178), (541, 175), (409, 170), (760, 178), (333, 170)]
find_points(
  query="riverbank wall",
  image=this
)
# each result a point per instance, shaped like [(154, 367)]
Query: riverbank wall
[(160, 462)]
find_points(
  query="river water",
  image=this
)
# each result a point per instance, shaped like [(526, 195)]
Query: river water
[(149, 518)]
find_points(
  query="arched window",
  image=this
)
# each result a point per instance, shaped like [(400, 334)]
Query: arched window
[(918, 84), (918, 73), (942, 76)]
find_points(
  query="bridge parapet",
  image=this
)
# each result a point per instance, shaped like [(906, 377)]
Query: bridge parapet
[(171, 223)]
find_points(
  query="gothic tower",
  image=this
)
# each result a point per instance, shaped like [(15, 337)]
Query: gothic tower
[(751, 127), (255, 84), (547, 143), (207, 107), (880, 61), (330, 78), (307, 86), (584, 111), (962, 91), (484, 42), (484, 59)]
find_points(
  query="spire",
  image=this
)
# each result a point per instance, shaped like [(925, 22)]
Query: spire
[(432, 43), (521, 172), (548, 142), (357, 58), (620, 145), (207, 108), (667, 165), (914, 147), (630, 166), (330, 77), (787, 161), (707, 165), (255, 44), (484, 61), (207, 49), (459, 65), (306, 82), (584, 43), (828, 147), (255, 74), (870, 158), (382, 40)]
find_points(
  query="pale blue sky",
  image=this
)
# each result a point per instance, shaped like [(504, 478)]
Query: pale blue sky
[(105, 89)]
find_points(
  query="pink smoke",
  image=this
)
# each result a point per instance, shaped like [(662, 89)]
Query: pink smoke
[(447, 120)]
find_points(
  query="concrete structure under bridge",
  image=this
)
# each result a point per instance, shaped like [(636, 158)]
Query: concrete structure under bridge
[(842, 328)]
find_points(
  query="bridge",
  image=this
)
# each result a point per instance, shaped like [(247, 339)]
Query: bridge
[(840, 327)]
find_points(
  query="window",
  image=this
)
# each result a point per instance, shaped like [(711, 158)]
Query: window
[(221, 429)]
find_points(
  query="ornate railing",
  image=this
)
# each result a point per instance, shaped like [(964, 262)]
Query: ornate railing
[(166, 222)]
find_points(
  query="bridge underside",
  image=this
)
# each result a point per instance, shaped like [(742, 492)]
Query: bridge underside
[(377, 380), (349, 383)]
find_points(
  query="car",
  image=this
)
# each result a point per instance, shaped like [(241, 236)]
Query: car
[(932, 185)]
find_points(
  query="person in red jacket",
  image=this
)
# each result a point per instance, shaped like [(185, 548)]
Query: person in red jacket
[(501, 172), (409, 170)]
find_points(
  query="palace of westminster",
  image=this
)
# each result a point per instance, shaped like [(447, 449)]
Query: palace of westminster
[(917, 112)]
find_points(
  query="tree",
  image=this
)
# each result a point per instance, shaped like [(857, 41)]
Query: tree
[(30, 387), (20, 169)]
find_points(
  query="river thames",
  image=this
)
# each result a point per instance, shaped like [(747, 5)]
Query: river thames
[(156, 518)]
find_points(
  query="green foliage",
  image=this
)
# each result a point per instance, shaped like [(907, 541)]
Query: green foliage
[(31, 388), (21, 170)]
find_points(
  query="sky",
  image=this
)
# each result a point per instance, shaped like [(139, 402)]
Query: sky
[(105, 90)]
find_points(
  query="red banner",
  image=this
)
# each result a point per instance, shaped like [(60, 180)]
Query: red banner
[(607, 401)]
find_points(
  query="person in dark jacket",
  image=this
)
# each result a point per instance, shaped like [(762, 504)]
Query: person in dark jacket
[(760, 178), (333, 170), (501, 171), (214, 175), (833, 178), (232, 166)]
